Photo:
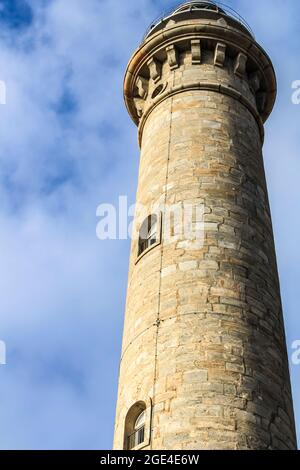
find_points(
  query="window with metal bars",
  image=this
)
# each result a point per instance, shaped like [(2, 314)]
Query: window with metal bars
[(138, 435)]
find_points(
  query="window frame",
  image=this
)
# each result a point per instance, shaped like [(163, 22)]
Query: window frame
[(137, 435), (130, 428), (158, 236)]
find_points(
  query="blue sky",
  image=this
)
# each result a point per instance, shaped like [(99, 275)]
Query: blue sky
[(67, 145)]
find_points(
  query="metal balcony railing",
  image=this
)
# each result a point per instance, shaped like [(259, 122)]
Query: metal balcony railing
[(212, 5)]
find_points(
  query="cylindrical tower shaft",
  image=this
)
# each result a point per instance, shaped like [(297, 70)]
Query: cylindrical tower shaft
[(204, 362)]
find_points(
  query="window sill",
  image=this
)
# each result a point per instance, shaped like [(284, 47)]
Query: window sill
[(147, 251), (141, 446)]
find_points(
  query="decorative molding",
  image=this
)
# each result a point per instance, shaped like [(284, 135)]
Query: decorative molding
[(196, 51), (158, 90), (254, 81), (182, 36), (142, 86), (139, 104), (261, 100), (240, 65), (154, 69), (172, 57), (220, 54)]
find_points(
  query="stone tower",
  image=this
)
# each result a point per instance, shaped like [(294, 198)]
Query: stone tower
[(204, 362)]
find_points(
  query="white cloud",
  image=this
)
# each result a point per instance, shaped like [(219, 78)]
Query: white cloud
[(62, 291)]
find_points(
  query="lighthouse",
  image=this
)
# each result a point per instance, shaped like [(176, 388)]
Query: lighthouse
[(204, 362)]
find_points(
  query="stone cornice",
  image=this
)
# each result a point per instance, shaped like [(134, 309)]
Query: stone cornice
[(261, 80)]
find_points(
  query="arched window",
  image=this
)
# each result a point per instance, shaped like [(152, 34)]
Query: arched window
[(148, 233), (138, 435), (135, 426)]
